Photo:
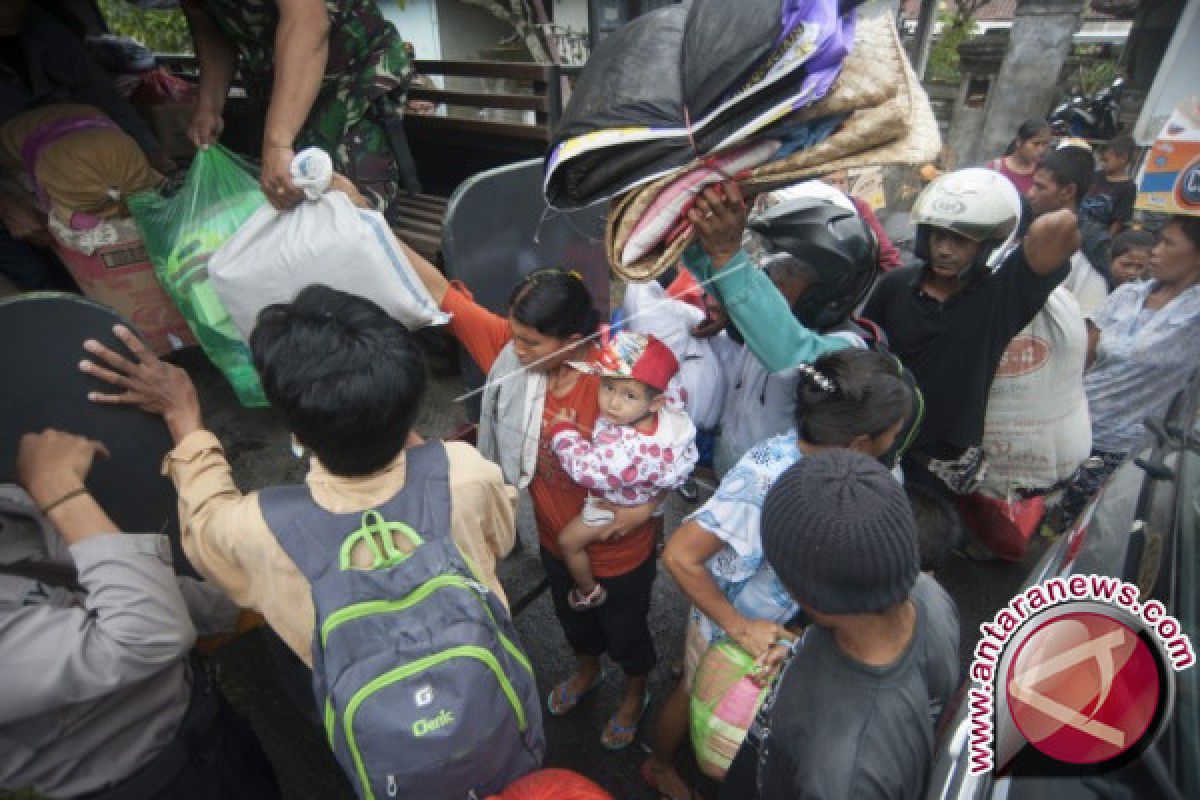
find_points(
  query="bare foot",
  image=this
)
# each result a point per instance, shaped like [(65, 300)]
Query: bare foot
[(668, 782)]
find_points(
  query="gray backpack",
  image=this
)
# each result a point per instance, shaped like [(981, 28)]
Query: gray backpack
[(418, 676)]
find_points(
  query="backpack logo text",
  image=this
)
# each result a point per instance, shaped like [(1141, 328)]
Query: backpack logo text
[(423, 727)]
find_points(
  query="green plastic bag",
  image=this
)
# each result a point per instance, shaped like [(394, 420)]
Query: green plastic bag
[(725, 697), (181, 232)]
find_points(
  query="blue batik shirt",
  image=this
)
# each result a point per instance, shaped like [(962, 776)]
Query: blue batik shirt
[(733, 514), (1143, 358)]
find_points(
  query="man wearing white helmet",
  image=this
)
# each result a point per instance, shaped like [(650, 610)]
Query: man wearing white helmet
[(950, 317)]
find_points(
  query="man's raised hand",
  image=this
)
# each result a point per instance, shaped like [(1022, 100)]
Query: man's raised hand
[(147, 382)]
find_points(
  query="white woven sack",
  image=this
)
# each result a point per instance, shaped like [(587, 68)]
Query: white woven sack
[(1037, 429), (328, 241)]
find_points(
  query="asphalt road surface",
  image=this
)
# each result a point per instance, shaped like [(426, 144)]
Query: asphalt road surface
[(257, 445)]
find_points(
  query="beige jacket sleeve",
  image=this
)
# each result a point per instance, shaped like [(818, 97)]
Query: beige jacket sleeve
[(228, 542), (482, 511)]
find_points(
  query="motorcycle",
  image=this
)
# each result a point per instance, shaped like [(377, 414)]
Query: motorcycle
[(1095, 117)]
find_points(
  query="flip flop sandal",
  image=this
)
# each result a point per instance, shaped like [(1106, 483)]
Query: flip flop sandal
[(613, 737), (652, 781), (567, 700)]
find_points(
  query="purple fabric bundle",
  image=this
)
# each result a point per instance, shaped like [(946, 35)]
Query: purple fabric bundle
[(47, 135), (687, 82)]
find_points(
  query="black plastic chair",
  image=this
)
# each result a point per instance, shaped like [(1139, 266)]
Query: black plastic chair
[(43, 336), (498, 228)]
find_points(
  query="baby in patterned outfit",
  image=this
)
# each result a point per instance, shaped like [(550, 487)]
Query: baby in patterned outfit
[(642, 444)]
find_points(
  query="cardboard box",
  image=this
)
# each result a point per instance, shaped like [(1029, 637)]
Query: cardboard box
[(1170, 179), (110, 265)]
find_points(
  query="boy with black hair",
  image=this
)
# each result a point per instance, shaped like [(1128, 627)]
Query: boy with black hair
[(1060, 182), (853, 711), (348, 380), (1131, 252), (347, 383), (1109, 201)]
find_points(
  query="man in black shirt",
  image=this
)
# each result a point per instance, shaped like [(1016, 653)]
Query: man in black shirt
[(950, 318)]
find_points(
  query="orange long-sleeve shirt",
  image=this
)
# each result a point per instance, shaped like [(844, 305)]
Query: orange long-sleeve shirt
[(556, 498)]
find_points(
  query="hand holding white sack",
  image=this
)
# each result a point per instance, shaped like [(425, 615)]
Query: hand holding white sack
[(325, 240)]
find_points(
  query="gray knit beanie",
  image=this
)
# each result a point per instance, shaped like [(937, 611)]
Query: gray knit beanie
[(838, 531)]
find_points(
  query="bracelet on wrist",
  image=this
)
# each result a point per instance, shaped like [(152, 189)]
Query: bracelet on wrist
[(71, 495)]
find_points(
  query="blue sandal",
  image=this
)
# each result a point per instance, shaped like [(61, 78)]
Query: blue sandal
[(562, 701), (618, 737)]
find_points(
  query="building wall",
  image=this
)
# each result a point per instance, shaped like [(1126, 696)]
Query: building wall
[(417, 23), (1176, 76), (571, 14), (466, 30)]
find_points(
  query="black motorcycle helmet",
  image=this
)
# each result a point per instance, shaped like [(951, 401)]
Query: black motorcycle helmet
[(834, 244)]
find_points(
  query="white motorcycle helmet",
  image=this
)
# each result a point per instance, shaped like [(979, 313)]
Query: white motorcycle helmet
[(977, 203)]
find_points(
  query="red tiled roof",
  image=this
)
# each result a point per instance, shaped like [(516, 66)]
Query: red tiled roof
[(995, 11)]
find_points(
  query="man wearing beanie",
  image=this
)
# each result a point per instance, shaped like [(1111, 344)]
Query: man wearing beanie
[(853, 712)]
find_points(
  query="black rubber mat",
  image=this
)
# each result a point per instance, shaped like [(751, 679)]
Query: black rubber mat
[(41, 344)]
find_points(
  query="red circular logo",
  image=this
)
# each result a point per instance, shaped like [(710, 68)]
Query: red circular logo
[(1083, 688), (1187, 186), (1024, 354)]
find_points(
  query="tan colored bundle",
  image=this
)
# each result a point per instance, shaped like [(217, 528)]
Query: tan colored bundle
[(90, 170), (890, 122)]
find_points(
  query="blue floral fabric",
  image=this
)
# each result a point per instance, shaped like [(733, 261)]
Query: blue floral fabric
[(1143, 358), (733, 515)]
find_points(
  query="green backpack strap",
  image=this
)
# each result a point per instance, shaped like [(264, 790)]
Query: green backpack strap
[(376, 534)]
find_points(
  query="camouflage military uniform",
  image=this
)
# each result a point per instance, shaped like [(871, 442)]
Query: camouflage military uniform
[(359, 111)]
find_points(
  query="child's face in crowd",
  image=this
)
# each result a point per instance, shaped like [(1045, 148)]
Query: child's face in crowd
[(1131, 265), (535, 350), (1112, 161), (950, 253), (1031, 150), (625, 401)]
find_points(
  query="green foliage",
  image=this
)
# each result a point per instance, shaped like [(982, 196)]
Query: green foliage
[(1097, 75), (943, 56), (19, 794), (161, 31)]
